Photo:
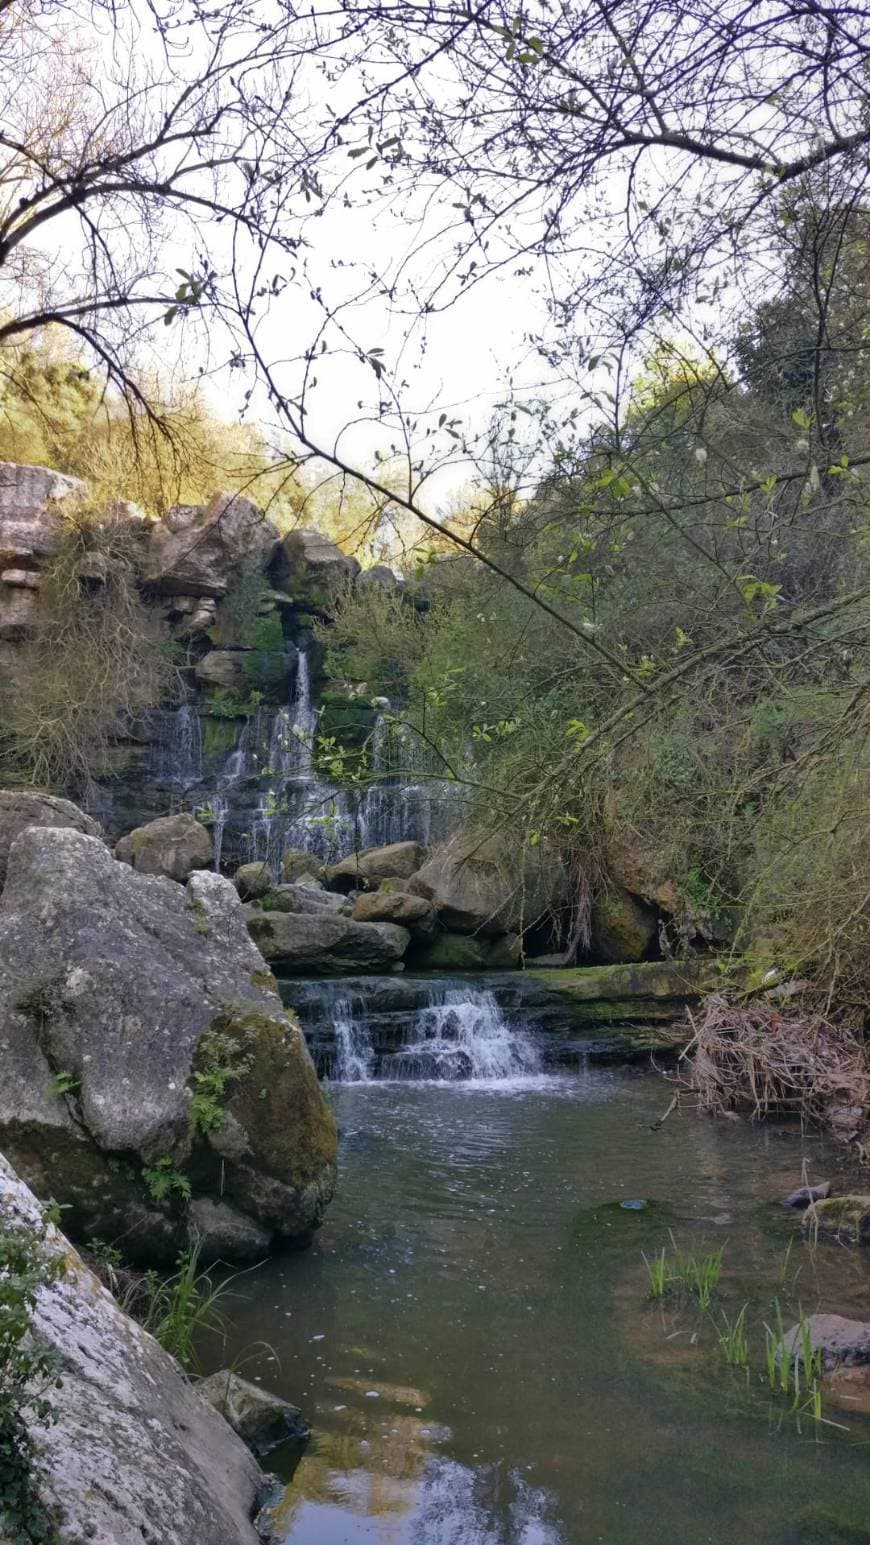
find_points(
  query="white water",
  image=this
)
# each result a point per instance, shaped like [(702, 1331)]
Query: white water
[(460, 1034), (177, 756)]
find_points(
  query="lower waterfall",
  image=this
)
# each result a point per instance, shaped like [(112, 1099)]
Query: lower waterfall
[(454, 1031)]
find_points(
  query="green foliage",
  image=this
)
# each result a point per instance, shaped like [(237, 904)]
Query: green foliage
[(221, 1059), (179, 1308), (165, 1181), (228, 705), (108, 1255), (29, 1371), (63, 1083)]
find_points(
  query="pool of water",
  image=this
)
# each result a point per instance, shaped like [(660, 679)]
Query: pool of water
[(472, 1338)]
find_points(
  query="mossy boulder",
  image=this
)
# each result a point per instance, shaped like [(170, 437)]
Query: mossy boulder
[(623, 927), (173, 845), (253, 880), (383, 906), (296, 862), (492, 885), (325, 943), (844, 1218), (148, 1063)]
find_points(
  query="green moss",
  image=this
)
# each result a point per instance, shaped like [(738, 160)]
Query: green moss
[(265, 980), (279, 1102), (346, 719), (218, 738), (268, 671), (845, 1218)]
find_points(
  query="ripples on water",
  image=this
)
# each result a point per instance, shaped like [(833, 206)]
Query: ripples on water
[(471, 1339)]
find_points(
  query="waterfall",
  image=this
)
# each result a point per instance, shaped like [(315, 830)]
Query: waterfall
[(463, 1034), (177, 755), (220, 810), (453, 1032), (354, 1053)]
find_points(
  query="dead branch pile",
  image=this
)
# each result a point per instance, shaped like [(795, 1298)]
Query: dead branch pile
[(772, 1059)]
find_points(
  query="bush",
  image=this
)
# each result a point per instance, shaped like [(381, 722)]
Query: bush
[(28, 1373)]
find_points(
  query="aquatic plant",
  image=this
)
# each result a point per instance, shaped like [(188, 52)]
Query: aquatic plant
[(733, 1339), (179, 1308), (658, 1273)]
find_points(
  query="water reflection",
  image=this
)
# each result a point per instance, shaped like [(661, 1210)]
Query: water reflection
[(472, 1340)]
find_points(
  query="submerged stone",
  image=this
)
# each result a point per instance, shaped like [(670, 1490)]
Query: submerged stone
[(261, 1419), (844, 1218)]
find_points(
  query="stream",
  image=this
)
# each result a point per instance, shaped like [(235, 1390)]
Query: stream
[(471, 1335)]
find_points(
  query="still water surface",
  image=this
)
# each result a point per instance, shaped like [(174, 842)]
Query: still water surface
[(472, 1340)]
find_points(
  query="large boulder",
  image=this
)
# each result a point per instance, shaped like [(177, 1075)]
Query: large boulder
[(134, 1452), (224, 669), (324, 943), (173, 845), (622, 926), (296, 862), (31, 519), (486, 885), (19, 809), (311, 567), (411, 912), (396, 861), (253, 879), (147, 1059), (194, 551)]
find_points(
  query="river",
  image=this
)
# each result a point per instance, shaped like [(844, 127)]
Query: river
[(472, 1338)]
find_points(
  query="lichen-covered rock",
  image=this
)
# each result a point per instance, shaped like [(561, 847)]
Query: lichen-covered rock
[(411, 912), (135, 1452), (116, 989), (19, 809), (195, 550), (253, 880), (489, 886), (622, 927), (260, 1418), (173, 845), (18, 612), (324, 943), (397, 860)]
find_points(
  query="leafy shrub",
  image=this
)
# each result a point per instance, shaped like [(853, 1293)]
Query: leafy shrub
[(29, 1371)]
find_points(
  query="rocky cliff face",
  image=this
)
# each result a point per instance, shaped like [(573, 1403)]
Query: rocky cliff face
[(152, 1083)]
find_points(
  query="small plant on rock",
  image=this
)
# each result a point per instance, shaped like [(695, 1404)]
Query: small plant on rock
[(221, 1060), (29, 1371), (164, 1180)]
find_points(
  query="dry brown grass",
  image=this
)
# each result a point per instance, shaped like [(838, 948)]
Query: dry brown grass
[(775, 1058)]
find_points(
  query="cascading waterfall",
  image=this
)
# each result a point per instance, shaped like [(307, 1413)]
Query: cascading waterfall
[(458, 1033), (177, 756), (463, 1034)]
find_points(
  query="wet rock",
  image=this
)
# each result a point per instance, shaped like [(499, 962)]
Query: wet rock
[(261, 1419), (195, 550), (20, 809), (411, 912), (804, 1195), (326, 944), (173, 845), (224, 669), (488, 887), (253, 880), (133, 1441), (359, 871), (838, 1339), (126, 984), (844, 1218), (623, 927)]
